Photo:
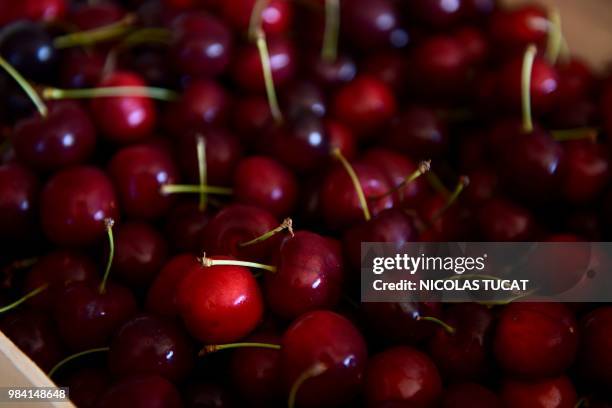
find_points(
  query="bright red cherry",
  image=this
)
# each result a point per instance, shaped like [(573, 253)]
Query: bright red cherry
[(161, 297), (140, 392), (470, 394), (402, 374), (420, 133), (276, 16), (585, 171), (74, 204), (18, 199), (595, 358), (556, 392), (503, 220), (327, 350)]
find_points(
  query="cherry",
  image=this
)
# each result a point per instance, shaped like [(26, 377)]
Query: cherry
[(372, 24), (276, 15), (185, 225), (18, 200), (342, 138), (29, 49), (58, 269), (250, 118), (303, 96), (161, 297), (477, 9), (333, 73), (365, 104), (445, 219), (219, 304), (87, 385), (470, 394), (419, 132), (556, 392), (140, 253), (576, 81), (323, 359), (463, 353), (595, 351), (438, 13), (512, 30), (139, 172), (402, 374), (585, 171), (207, 394), (81, 69), (309, 275), (141, 392), (45, 10), (475, 45), (265, 183), (483, 185), (74, 204), (503, 220), (15, 103), (34, 334), (535, 339), (148, 344), (389, 67), (90, 16), (64, 138), (124, 119)]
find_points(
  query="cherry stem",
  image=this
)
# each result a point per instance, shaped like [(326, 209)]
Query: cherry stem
[(20, 264), (213, 348), (437, 184), (27, 88), (192, 188), (423, 168), (27, 296), (96, 35), (329, 51), (287, 224), (582, 402), (314, 371), (555, 36), (356, 184), (202, 170), (142, 36), (264, 55), (111, 243), (464, 181), (161, 94), (526, 73), (447, 327), (75, 356), (563, 135), (256, 19), (208, 262)]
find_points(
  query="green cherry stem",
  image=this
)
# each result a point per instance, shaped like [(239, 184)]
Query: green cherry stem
[(208, 262), (75, 356), (587, 133), (213, 348), (448, 328), (264, 55), (96, 35), (337, 154), (314, 371), (434, 181), (526, 72), (27, 88), (256, 19), (555, 36), (202, 170), (423, 168), (287, 224), (329, 51), (111, 244), (27, 296), (192, 189), (161, 94), (463, 182)]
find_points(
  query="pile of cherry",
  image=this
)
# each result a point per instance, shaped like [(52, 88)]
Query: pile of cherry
[(184, 186)]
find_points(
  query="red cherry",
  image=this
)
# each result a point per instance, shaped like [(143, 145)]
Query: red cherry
[(185, 226), (502, 220), (87, 386), (595, 358), (576, 81), (139, 172), (389, 67), (74, 204), (373, 24), (402, 374), (585, 171), (436, 13), (333, 73), (276, 16), (475, 44), (341, 137), (81, 69), (536, 340), (90, 16), (470, 394), (124, 119), (140, 392), (547, 393), (303, 97), (419, 132), (219, 304), (65, 137), (326, 343), (161, 297), (512, 30), (477, 9), (45, 10), (251, 118), (445, 223), (483, 185), (18, 198)]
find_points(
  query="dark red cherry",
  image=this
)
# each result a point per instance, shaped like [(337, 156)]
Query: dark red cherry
[(219, 304), (64, 138), (437, 13), (463, 354), (34, 334), (139, 172), (483, 185), (419, 133), (263, 182), (326, 344), (576, 80), (29, 49), (536, 340), (141, 392), (90, 16), (87, 318), (365, 104), (556, 392), (333, 73), (595, 358), (503, 220), (402, 374), (475, 10), (161, 297), (45, 10), (74, 204), (475, 45), (341, 137), (512, 30), (309, 275), (573, 114), (58, 269), (124, 119), (251, 117), (19, 189), (470, 394), (237, 224), (208, 394), (373, 24), (185, 225), (276, 16), (247, 71), (303, 96), (390, 67), (140, 252), (80, 68), (87, 386), (585, 171), (148, 344), (444, 222)]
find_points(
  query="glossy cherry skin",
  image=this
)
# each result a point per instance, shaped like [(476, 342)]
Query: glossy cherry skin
[(148, 344), (161, 297), (364, 104), (502, 220), (74, 204), (87, 386), (556, 392), (29, 49), (141, 392), (534, 340), (397, 322), (124, 119), (309, 275), (342, 137), (276, 16), (64, 138), (339, 200), (263, 182), (87, 318), (470, 394), (185, 225), (138, 173), (361, 24), (437, 13), (585, 171), (595, 351), (219, 304), (512, 30), (418, 132), (35, 335), (402, 374), (19, 189), (58, 269), (323, 337), (140, 252), (463, 355), (81, 69)]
